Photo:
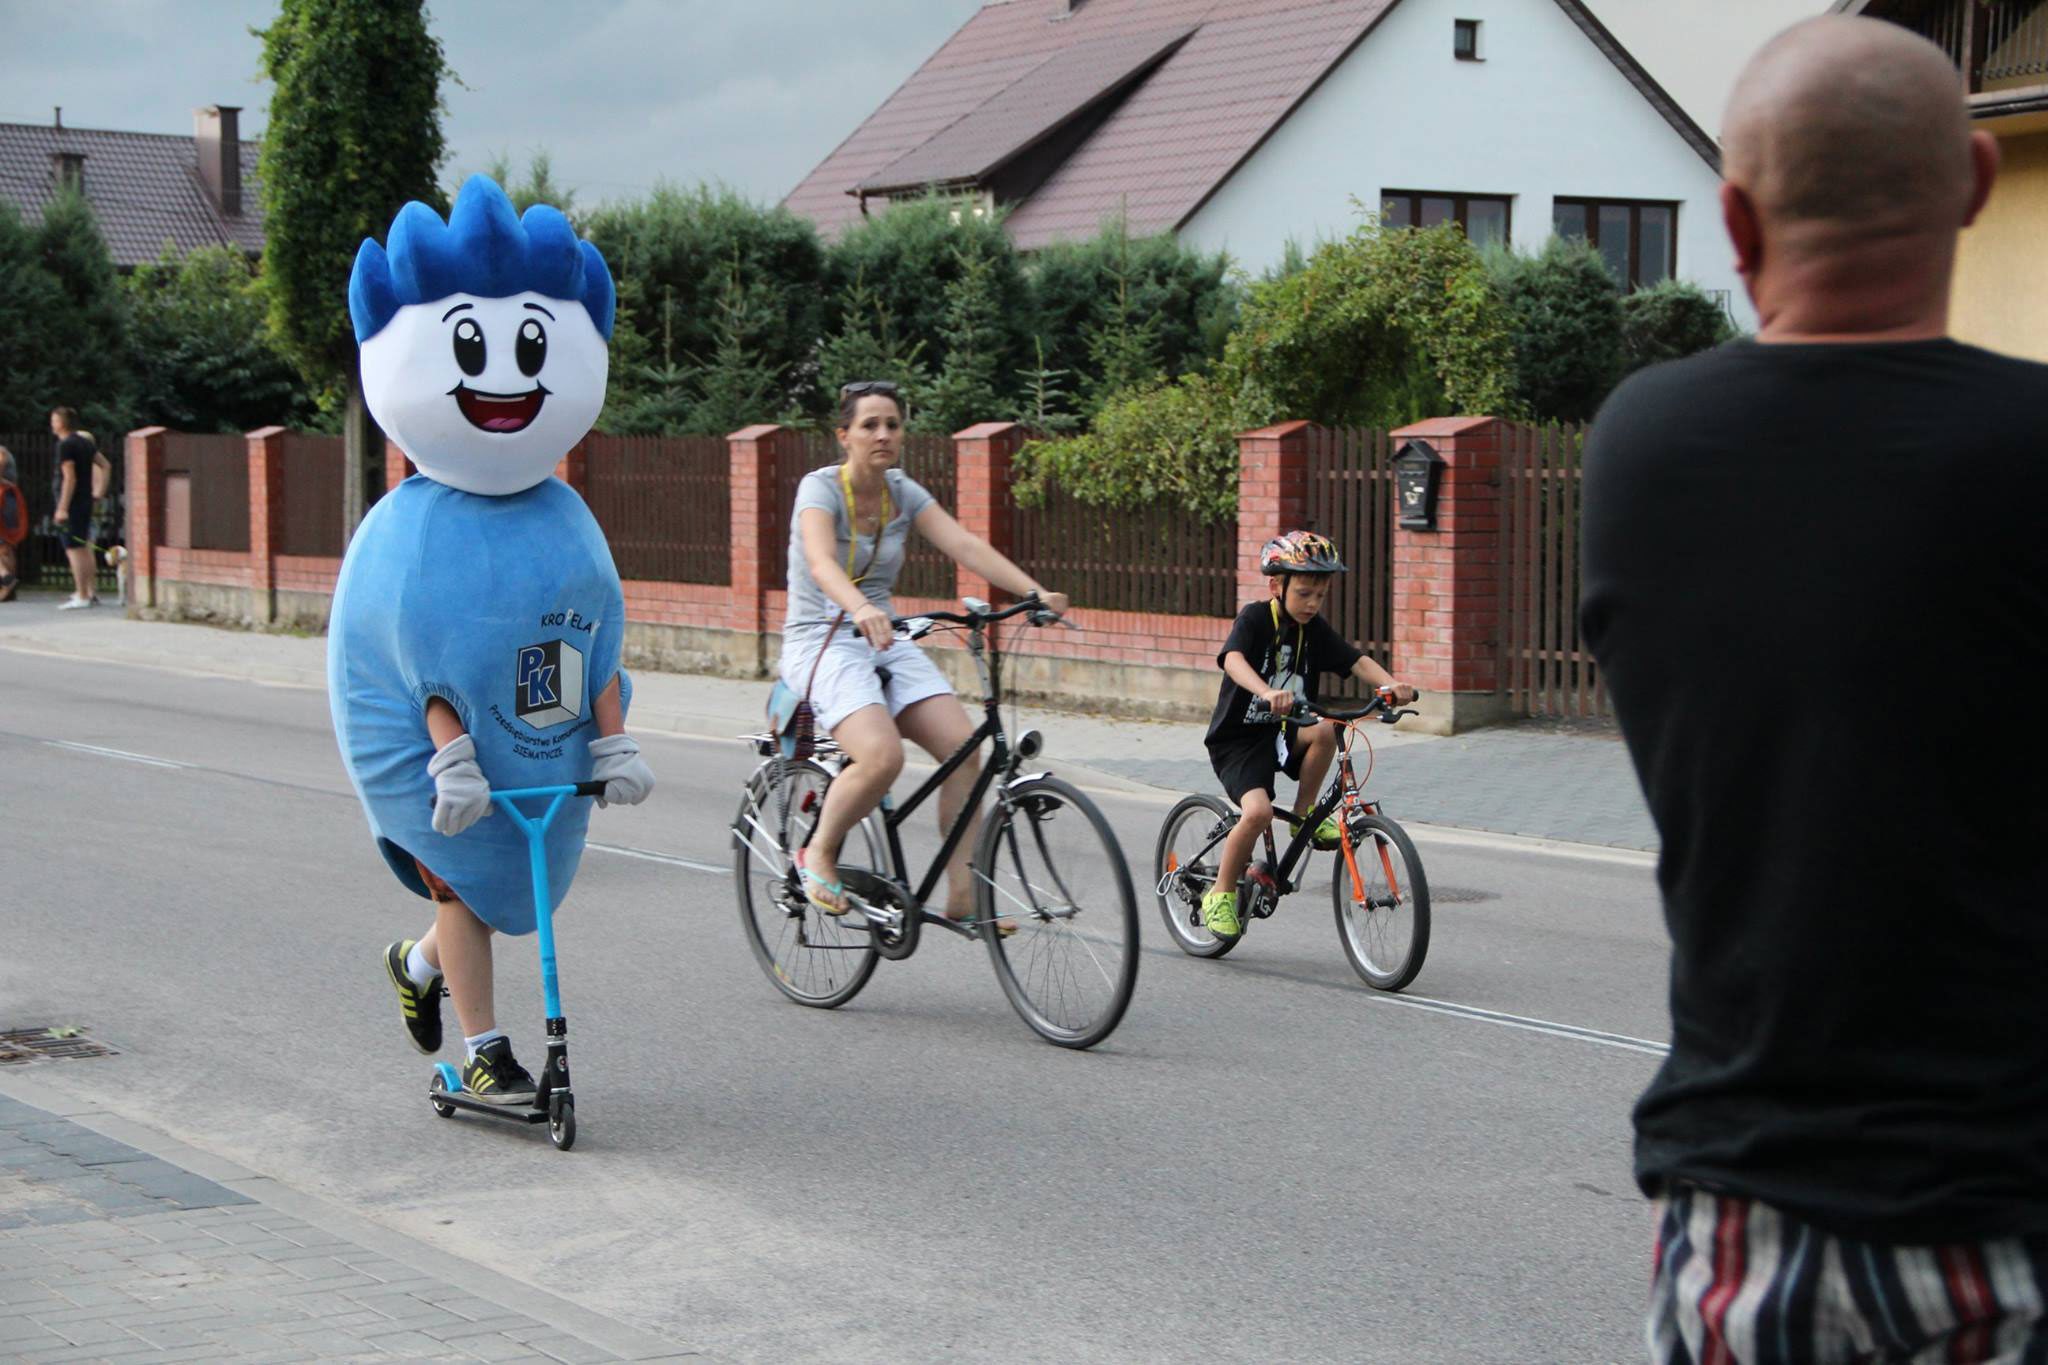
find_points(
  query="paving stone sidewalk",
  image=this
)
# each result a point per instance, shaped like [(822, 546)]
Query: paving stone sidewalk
[(108, 1253)]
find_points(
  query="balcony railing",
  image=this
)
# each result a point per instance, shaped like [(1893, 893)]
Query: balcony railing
[(1998, 45)]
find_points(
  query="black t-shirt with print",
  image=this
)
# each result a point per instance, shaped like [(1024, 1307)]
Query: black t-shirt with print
[(1816, 583), (78, 452), (1287, 655)]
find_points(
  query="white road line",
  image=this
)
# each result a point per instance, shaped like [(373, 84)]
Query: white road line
[(1555, 1030), (648, 855), (1459, 836), (121, 754)]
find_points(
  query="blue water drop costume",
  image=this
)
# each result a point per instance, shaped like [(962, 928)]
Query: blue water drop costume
[(507, 607)]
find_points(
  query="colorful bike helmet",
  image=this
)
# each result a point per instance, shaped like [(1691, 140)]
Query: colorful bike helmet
[(1300, 552)]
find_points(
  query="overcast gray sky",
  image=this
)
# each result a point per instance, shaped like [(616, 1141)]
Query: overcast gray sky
[(750, 92)]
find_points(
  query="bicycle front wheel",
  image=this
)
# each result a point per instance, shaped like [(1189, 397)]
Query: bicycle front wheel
[(813, 958), (1184, 868), (1382, 912), (1049, 864)]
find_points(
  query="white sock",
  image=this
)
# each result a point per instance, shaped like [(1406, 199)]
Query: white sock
[(481, 1039), (419, 969)]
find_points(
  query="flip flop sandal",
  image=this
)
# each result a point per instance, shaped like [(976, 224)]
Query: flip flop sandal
[(1004, 927), (836, 905)]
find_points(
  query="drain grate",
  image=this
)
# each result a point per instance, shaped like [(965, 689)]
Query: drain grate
[(58, 1043), (1460, 895)]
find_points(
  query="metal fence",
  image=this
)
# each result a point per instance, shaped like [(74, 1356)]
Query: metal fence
[(206, 492), (927, 457), (1546, 669), (1152, 559), (40, 558), (665, 503), (1351, 500), (313, 468)]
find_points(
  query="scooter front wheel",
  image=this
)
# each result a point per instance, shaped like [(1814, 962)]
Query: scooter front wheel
[(562, 1124)]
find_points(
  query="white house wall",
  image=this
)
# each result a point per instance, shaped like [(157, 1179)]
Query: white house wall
[(1543, 114)]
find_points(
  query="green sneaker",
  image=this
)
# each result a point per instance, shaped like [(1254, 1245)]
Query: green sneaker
[(1219, 912), (419, 1006), (1327, 835)]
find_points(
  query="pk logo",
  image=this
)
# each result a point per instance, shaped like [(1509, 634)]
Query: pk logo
[(548, 683)]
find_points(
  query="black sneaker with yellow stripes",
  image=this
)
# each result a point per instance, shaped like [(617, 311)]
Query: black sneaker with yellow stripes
[(421, 1006), (495, 1078)]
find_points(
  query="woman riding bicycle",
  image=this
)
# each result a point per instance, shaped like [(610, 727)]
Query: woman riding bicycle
[(869, 690)]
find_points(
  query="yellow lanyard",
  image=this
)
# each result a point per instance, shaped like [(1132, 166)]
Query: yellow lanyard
[(853, 525), (1274, 603)]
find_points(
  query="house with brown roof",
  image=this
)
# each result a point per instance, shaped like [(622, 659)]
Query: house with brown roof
[(1240, 125), (2000, 51), (147, 190)]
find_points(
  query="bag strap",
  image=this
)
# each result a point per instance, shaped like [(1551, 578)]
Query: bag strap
[(808, 682)]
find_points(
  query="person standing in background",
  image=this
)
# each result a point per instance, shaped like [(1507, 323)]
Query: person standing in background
[(82, 474)]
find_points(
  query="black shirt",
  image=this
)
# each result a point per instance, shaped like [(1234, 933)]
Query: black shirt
[(1816, 581), (1288, 656), (78, 452)]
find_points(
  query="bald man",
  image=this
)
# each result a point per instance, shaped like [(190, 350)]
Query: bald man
[(1816, 582)]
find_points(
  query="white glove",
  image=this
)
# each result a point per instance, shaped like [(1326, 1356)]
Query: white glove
[(461, 796), (616, 762)]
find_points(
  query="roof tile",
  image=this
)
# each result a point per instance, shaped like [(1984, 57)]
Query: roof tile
[(143, 187)]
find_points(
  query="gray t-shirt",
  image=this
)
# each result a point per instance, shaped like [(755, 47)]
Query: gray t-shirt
[(810, 610)]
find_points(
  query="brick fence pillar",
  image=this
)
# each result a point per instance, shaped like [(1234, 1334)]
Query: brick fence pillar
[(1446, 626), (756, 455), (266, 518), (981, 464), (397, 468), (1272, 496), (145, 499)]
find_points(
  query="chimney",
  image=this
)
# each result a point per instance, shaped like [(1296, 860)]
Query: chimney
[(67, 170), (217, 131), (1064, 9)]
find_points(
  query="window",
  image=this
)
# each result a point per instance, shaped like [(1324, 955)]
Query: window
[(1485, 217), (1465, 39), (1638, 240)]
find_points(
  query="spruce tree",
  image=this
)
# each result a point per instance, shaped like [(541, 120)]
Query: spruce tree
[(869, 346), (1123, 347), (965, 391), (1042, 405), (86, 338), (737, 385), (29, 297)]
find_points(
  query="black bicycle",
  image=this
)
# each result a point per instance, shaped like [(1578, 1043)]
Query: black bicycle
[(1378, 890), (1053, 898)]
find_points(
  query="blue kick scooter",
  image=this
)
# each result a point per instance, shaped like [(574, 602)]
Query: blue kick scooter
[(553, 1102)]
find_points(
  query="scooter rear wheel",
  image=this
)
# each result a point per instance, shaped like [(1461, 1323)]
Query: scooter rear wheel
[(435, 1090)]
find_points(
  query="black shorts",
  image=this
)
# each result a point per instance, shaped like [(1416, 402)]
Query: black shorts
[(1250, 763)]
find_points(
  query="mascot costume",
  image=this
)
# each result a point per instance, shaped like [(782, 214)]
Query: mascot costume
[(482, 580)]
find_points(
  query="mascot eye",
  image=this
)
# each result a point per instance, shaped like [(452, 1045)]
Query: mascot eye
[(532, 350), (469, 347)]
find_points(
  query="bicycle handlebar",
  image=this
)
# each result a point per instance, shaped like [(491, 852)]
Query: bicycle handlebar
[(978, 613), (577, 789), (1380, 703)]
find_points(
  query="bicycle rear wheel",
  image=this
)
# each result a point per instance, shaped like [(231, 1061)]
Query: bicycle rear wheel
[(1049, 863), (1183, 870), (813, 958), (1383, 917)]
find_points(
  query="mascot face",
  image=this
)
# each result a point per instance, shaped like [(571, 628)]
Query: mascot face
[(486, 395), (483, 338)]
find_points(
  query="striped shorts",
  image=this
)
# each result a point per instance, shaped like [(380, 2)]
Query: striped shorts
[(1737, 1282)]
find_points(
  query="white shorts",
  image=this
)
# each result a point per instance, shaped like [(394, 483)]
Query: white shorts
[(850, 678)]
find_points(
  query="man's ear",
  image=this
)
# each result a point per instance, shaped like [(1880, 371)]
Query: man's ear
[(1984, 164), (1745, 228)]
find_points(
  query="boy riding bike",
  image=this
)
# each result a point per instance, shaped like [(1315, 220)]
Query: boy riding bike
[(1249, 737)]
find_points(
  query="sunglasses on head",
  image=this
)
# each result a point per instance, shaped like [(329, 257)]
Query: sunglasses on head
[(861, 388)]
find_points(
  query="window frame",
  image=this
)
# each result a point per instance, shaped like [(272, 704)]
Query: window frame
[(1460, 206), (1459, 28), (1635, 207)]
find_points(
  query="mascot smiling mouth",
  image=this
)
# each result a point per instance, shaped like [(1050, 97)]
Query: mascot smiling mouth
[(500, 413)]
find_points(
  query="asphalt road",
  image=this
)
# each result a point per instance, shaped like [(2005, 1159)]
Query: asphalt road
[(1267, 1161)]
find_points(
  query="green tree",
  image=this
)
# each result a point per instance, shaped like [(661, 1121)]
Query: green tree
[(1042, 405), (869, 346), (85, 339), (1143, 304), (538, 187), (354, 133), (1566, 321), (204, 358), (911, 251), (29, 297), (679, 245), (738, 384), (1669, 321), (965, 391)]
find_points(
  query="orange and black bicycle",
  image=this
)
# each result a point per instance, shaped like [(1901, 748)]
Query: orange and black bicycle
[(1378, 889)]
